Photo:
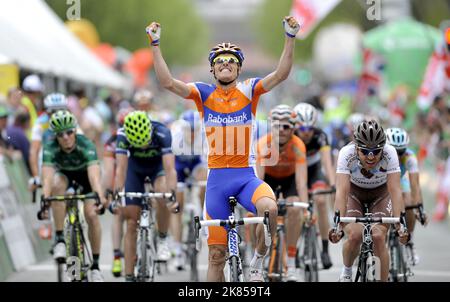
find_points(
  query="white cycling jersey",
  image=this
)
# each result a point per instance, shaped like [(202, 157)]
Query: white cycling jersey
[(348, 163)]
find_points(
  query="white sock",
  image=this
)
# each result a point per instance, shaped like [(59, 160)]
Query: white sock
[(346, 271), (291, 262), (257, 261)]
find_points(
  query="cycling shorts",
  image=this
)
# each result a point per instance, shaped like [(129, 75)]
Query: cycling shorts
[(80, 177), (316, 179), (380, 204), (288, 186), (222, 183), (136, 178)]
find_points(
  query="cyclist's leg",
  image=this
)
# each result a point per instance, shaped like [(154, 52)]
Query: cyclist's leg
[(353, 231), (200, 173), (134, 183), (382, 207), (257, 197), (317, 181), (216, 207), (59, 187)]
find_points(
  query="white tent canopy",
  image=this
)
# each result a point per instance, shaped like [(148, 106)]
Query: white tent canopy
[(33, 37)]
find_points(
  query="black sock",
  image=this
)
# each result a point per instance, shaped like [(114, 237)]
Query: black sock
[(59, 236), (117, 254), (325, 246), (95, 258)]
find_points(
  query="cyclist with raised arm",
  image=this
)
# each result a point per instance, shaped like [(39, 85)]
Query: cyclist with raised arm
[(66, 158), (41, 132), (289, 172), (318, 153), (228, 109), (368, 172), (412, 194), (144, 150), (109, 169), (190, 162)]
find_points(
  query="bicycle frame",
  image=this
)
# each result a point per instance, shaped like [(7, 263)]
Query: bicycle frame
[(76, 243), (367, 263), (146, 240), (234, 259)]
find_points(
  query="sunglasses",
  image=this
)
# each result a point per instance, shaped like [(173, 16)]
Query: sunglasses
[(305, 128), (67, 132), (282, 126), (368, 152), (223, 59)]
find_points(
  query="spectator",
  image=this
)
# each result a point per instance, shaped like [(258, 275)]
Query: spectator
[(13, 141), (33, 89)]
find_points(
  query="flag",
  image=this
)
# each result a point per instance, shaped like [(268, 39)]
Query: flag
[(309, 13)]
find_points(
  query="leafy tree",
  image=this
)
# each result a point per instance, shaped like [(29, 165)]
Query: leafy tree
[(184, 33)]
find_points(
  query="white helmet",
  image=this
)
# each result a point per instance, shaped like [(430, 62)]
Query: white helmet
[(397, 137), (282, 112), (32, 83), (55, 101), (306, 114), (355, 119)]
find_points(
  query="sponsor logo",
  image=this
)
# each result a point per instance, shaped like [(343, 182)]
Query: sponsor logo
[(227, 119)]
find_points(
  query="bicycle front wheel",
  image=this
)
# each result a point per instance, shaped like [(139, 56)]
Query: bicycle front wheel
[(234, 269), (142, 269)]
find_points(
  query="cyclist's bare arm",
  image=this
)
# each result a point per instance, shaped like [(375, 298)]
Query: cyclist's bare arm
[(395, 191), (301, 176), (47, 180), (165, 77), (95, 181), (108, 172), (416, 192), (169, 168), (286, 60), (327, 163), (34, 157), (121, 168), (342, 191)]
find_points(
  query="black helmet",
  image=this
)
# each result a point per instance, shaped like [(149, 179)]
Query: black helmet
[(370, 135)]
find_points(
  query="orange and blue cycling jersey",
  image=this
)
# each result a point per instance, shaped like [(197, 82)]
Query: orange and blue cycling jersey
[(229, 121)]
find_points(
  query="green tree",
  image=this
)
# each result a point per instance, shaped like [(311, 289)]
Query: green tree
[(184, 33)]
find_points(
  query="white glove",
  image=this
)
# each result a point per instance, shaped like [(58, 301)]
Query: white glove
[(291, 31), (153, 33), (36, 181)]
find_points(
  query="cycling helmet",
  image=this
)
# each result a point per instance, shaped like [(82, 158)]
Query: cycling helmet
[(192, 117), (138, 129), (142, 94), (62, 120), (355, 119), (307, 114), (282, 112), (55, 101), (120, 117), (226, 47), (397, 137), (370, 135)]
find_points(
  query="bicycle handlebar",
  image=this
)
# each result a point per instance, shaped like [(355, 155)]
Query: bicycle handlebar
[(145, 195), (233, 223), (45, 202)]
